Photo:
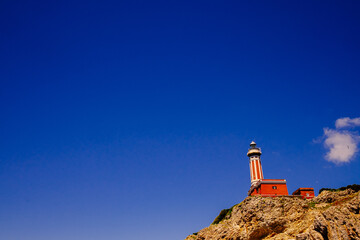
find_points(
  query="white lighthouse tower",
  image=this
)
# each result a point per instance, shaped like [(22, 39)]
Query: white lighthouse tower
[(256, 171)]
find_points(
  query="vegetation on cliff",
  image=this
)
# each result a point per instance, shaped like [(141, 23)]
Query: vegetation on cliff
[(355, 187), (223, 214)]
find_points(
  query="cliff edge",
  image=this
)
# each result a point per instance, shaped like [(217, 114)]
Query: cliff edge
[(331, 215)]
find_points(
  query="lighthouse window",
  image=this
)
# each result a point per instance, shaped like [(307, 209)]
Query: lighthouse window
[(274, 187)]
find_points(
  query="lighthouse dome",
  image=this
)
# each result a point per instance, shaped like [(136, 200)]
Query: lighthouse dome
[(253, 150)]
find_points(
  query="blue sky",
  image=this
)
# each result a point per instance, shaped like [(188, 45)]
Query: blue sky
[(131, 119)]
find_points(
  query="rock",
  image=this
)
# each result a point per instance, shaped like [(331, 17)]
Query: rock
[(330, 197), (331, 215)]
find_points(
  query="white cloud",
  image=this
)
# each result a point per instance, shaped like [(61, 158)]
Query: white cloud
[(342, 145), (347, 122)]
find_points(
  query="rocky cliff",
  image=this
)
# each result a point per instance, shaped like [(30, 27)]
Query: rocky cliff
[(331, 215)]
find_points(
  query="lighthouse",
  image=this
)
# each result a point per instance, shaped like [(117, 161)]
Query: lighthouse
[(256, 172), (259, 185)]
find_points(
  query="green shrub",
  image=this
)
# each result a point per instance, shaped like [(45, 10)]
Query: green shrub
[(354, 187), (221, 216), (311, 204)]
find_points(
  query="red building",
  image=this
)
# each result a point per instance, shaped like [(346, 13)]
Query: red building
[(269, 188), (259, 185), (304, 193)]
